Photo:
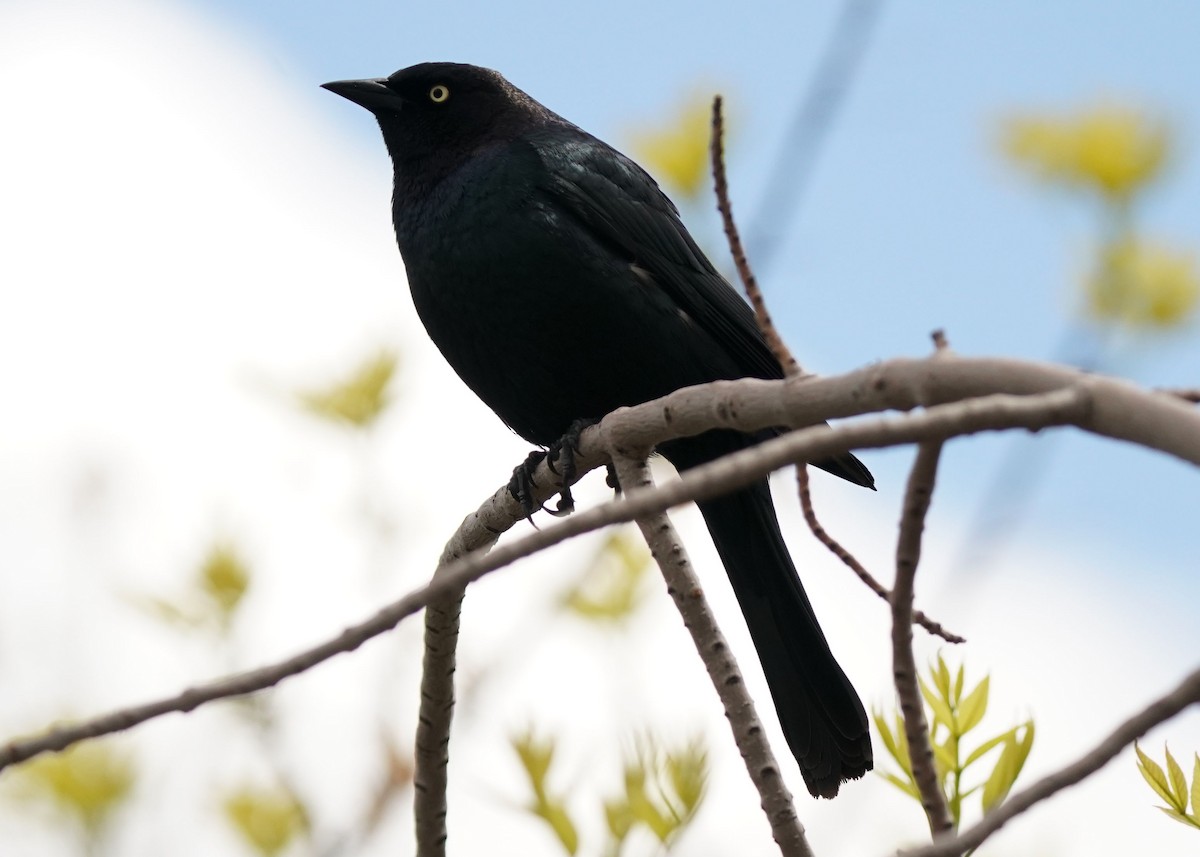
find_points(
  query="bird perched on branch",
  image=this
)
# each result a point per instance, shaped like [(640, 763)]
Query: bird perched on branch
[(558, 281)]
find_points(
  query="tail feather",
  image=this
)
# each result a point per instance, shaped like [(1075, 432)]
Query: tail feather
[(822, 717)]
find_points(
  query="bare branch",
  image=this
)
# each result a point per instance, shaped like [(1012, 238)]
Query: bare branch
[(748, 733), (1185, 694), (749, 283), (904, 667), (1048, 396), (851, 562)]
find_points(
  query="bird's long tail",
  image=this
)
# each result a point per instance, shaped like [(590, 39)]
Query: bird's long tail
[(822, 717)]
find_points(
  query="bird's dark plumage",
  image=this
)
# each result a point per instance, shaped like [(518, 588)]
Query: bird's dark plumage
[(558, 281)]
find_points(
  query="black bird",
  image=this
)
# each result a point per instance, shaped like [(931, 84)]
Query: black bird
[(558, 281)]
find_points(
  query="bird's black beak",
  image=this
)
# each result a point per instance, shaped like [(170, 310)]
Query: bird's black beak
[(375, 95)]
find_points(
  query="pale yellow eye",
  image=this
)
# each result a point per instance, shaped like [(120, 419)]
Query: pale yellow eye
[(439, 93)]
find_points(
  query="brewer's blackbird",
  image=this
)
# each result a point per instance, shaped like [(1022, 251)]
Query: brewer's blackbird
[(558, 281)]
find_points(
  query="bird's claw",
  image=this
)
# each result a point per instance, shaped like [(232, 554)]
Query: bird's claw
[(564, 450), (521, 486)]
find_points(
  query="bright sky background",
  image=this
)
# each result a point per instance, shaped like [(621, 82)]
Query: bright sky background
[(192, 229)]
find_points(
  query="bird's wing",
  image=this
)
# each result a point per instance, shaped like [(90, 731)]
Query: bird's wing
[(624, 210)]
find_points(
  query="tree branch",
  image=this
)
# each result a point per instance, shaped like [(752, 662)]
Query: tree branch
[(917, 498), (1101, 405), (748, 733), (778, 347)]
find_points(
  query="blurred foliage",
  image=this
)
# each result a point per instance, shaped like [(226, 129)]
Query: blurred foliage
[(610, 589), (676, 151), (267, 819), (536, 756), (88, 781), (952, 713), (662, 791), (360, 398), (1113, 150), (224, 579), (1142, 284), (1114, 154), (218, 587), (1172, 786)]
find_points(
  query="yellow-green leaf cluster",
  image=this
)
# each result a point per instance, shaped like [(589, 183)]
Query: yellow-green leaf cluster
[(1117, 153), (217, 590), (224, 578), (1143, 284), (1112, 149), (267, 819), (358, 399), (676, 151), (1172, 786), (953, 712), (611, 587), (662, 789), (89, 781), (536, 756)]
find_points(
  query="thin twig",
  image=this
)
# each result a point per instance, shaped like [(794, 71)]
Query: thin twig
[(748, 733), (778, 347), (835, 547), (1185, 694), (917, 497), (1059, 407)]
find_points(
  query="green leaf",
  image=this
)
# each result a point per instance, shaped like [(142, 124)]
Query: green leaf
[(359, 398), (1179, 786), (1196, 789), (938, 706), (958, 684), (1008, 768), (991, 743), (619, 818), (941, 678), (555, 815), (1153, 775), (885, 733), (972, 709), (945, 757), (908, 787), (1178, 816), (688, 773)]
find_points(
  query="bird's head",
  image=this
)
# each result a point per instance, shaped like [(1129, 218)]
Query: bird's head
[(433, 114)]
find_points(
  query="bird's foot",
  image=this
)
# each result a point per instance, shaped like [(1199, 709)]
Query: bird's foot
[(610, 478), (562, 452), (522, 486)]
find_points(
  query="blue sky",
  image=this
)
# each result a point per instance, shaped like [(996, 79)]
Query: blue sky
[(199, 230), (912, 221)]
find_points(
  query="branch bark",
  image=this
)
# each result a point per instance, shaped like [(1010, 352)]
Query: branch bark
[(917, 498), (685, 590)]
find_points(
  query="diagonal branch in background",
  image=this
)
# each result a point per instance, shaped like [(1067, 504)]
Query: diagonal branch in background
[(917, 497), (1185, 694), (748, 733), (812, 121)]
